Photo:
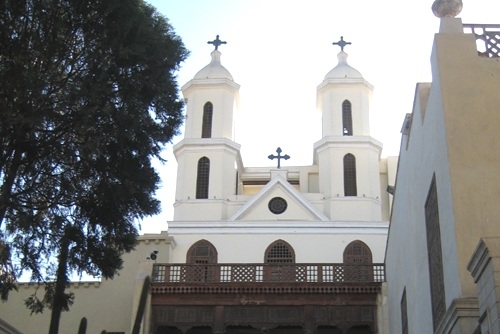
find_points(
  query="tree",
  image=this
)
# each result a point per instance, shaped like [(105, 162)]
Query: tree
[(88, 96)]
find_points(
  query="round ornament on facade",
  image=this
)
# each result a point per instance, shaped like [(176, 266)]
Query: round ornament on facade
[(277, 205)]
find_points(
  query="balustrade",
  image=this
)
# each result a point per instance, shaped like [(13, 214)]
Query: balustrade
[(268, 273)]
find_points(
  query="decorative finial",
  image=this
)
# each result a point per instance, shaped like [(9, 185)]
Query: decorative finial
[(447, 8), (216, 42), (279, 156), (342, 43)]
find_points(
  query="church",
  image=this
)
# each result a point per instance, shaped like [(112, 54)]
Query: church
[(351, 244), (290, 249)]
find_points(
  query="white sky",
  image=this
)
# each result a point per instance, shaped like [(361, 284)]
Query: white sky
[(280, 50)]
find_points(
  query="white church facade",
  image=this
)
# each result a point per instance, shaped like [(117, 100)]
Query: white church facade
[(292, 249)]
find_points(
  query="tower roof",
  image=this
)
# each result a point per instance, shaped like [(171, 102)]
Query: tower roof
[(343, 70), (214, 70)]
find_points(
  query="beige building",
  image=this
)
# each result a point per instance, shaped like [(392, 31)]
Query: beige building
[(443, 244)]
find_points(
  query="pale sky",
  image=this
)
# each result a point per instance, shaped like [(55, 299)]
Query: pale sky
[(280, 50)]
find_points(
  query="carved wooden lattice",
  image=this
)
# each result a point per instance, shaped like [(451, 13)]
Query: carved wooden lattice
[(435, 256), (280, 253), (243, 274), (356, 256), (487, 38), (259, 273)]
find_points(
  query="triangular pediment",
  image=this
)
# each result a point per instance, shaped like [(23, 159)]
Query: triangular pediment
[(298, 208)]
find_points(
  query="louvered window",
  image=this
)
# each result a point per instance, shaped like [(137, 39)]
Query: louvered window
[(202, 179), (206, 129), (347, 118), (350, 187)]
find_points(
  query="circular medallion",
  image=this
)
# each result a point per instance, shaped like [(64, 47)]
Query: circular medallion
[(277, 205)]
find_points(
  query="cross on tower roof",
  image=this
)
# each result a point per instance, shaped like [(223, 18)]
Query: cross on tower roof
[(341, 43), (279, 156), (216, 42)]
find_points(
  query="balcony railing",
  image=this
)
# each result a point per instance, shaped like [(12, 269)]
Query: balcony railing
[(487, 38), (268, 273)]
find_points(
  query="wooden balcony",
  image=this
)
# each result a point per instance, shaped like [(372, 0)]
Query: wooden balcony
[(298, 297), (197, 278)]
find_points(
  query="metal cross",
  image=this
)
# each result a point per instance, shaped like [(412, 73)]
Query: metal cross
[(279, 156), (216, 42), (342, 43)]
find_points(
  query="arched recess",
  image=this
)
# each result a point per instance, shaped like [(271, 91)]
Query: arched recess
[(202, 178), (346, 118), (350, 183), (358, 262), (279, 258), (206, 127), (202, 252), (201, 258)]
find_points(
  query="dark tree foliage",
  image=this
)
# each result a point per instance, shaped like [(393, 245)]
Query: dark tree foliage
[(87, 97)]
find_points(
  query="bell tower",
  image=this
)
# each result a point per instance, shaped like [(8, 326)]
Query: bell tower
[(347, 156), (207, 156)]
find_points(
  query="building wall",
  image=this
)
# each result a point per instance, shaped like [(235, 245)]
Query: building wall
[(453, 130), (245, 247), (108, 305)]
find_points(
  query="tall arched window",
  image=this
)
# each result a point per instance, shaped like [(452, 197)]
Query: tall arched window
[(358, 258), (199, 257), (282, 256), (206, 128), (350, 188), (202, 178), (346, 118)]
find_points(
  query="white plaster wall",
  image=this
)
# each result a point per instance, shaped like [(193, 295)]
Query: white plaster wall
[(222, 154), (331, 152), (250, 247), (223, 95), (406, 261), (294, 211), (428, 152), (330, 99)]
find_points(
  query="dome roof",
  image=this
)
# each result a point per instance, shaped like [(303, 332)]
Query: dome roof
[(214, 70), (343, 70)]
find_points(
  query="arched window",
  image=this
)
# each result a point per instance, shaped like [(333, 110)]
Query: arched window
[(199, 257), (358, 261), (282, 257), (206, 128), (280, 251), (346, 118), (202, 178), (202, 252), (350, 188)]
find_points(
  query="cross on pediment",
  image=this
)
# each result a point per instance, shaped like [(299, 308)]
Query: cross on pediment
[(216, 42), (342, 43), (279, 156)]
